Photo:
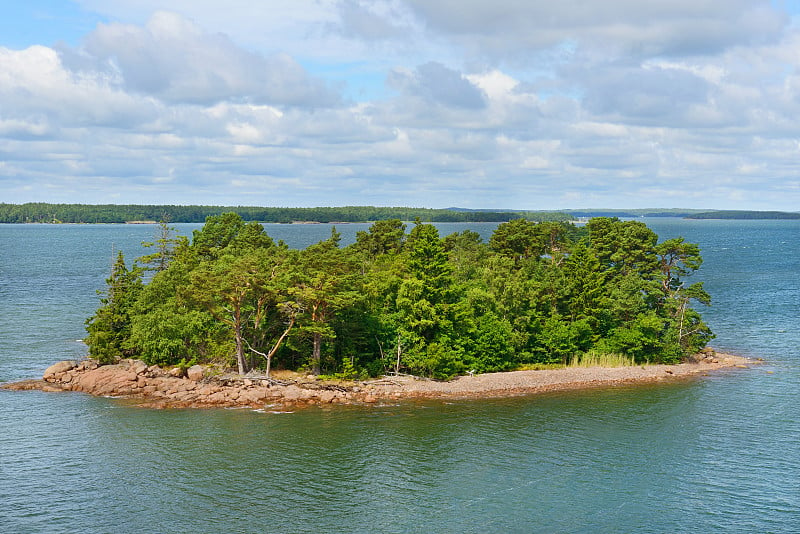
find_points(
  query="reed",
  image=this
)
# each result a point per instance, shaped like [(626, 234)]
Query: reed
[(599, 359)]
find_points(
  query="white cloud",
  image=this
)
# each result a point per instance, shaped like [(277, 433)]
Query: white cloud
[(174, 60), (35, 86), (373, 21), (438, 84), (512, 28), (504, 104)]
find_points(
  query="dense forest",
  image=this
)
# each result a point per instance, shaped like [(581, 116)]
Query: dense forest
[(121, 213), (744, 215), (633, 213), (403, 301)]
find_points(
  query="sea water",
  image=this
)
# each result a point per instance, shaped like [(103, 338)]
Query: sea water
[(717, 454)]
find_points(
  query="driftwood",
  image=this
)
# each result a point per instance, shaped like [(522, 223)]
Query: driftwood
[(406, 375), (266, 379), (383, 382), (317, 386), (387, 379)]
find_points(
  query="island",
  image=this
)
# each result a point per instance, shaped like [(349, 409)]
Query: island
[(543, 304)]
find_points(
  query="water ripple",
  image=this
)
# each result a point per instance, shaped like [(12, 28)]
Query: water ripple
[(719, 454)]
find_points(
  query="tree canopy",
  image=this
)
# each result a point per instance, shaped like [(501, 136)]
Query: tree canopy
[(416, 302)]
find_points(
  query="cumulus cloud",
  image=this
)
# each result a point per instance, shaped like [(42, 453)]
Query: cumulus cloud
[(172, 59), (439, 84), (511, 27), (654, 95), (36, 87), (373, 22)]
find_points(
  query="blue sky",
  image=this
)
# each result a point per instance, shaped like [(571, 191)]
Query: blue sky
[(44, 22), (435, 103)]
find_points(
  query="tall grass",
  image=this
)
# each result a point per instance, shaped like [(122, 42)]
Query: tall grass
[(598, 359)]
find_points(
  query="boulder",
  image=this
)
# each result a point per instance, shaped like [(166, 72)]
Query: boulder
[(326, 396), (177, 372), (206, 391), (195, 373), (253, 396), (292, 392), (58, 368), (138, 367), (106, 380)]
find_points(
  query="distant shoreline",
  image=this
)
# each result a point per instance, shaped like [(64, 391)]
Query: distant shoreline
[(48, 213), (163, 388)]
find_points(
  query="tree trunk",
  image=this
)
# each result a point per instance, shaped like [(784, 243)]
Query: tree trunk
[(399, 353), (241, 360), (316, 353), (268, 356)]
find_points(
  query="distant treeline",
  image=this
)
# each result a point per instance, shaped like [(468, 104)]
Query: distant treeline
[(633, 213), (619, 213), (740, 214), (121, 213)]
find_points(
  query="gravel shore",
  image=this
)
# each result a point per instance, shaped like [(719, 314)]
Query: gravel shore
[(197, 388), (528, 382)]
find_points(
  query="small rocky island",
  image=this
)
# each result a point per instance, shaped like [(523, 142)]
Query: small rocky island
[(603, 304), (204, 387)]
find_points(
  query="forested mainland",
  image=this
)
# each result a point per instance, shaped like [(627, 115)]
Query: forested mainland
[(403, 300), (41, 212), (38, 212), (745, 215)]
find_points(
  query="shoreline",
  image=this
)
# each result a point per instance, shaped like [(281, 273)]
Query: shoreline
[(155, 387)]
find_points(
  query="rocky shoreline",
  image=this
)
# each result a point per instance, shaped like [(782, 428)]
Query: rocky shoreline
[(202, 387)]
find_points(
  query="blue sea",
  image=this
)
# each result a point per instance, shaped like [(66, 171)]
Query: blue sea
[(717, 454)]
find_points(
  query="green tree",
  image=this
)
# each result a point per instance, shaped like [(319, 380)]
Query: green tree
[(466, 253), (383, 237), (623, 247), (584, 285), (166, 327), (517, 239), (559, 339), (324, 286), (237, 290), (554, 239), (165, 247), (423, 305), (228, 234), (109, 327), (677, 260)]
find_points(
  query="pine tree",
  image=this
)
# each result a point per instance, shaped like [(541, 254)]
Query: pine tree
[(109, 329)]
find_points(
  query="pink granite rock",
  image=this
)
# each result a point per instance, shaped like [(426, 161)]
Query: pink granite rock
[(58, 368)]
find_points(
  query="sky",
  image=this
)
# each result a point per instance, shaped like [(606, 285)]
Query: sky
[(508, 104)]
